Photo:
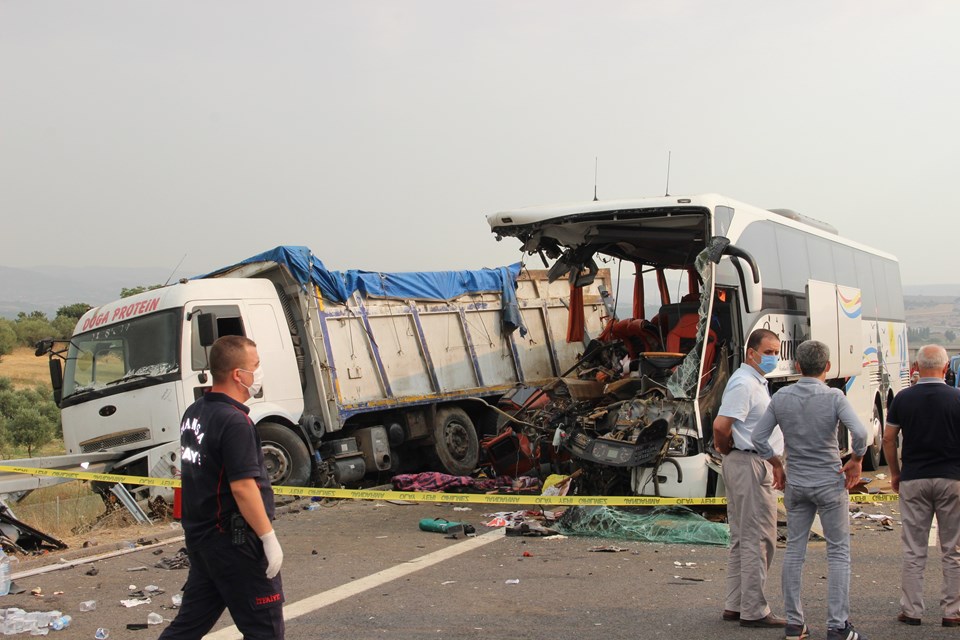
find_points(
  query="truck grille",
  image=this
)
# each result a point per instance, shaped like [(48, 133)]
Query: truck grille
[(105, 443)]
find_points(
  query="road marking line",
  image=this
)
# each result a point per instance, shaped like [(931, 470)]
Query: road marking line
[(356, 587)]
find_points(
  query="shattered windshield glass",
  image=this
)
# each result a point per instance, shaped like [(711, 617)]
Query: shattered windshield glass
[(682, 383), (145, 347)]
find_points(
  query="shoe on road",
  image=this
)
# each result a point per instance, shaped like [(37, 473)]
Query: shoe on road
[(769, 621), (905, 619), (796, 632), (731, 616), (847, 633)]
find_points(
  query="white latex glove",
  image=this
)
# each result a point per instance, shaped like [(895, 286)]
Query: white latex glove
[(271, 548)]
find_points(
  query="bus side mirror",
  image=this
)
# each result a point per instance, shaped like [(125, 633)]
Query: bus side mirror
[(749, 282), (206, 328), (56, 380)]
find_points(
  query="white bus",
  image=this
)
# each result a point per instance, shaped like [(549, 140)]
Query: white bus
[(718, 269)]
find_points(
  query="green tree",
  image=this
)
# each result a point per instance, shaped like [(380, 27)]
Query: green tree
[(29, 417), (32, 328), (132, 291), (75, 310), (63, 327), (8, 337), (950, 335), (30, 429)]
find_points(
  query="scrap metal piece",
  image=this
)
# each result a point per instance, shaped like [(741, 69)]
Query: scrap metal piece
[(131, 505)]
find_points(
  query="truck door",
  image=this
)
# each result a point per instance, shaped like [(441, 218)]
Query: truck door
[(835, 319)]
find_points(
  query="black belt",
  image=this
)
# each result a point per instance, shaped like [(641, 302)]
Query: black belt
[(747, 450)]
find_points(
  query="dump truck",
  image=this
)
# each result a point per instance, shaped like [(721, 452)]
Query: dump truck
[(365, 373)]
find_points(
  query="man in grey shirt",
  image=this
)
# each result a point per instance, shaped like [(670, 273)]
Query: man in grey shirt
[(815, 481)]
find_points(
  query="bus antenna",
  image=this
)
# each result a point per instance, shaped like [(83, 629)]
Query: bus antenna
[(667, 192), (595, 163)]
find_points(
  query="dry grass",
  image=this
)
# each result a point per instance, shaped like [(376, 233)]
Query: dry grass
[(25, 369)]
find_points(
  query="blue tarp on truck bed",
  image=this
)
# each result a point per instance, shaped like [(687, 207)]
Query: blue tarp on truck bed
[(338, 286)]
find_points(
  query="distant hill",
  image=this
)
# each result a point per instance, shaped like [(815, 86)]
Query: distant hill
[(945, 290), (48, 288)]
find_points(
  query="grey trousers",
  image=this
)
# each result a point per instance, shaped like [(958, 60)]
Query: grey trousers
[(919, 501), (803, 504), (752, 514)]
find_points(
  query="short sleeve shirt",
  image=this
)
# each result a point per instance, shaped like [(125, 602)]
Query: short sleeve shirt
[(745, 398), (928, 416), (218, 445)]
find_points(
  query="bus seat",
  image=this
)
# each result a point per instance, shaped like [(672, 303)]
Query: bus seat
[(671, 314), (684, 335), (637, 336)]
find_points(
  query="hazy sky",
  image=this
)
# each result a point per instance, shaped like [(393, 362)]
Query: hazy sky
[(381, 133)]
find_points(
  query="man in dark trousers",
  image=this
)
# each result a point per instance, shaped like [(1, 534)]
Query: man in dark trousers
[(234, 554), (927, 416)]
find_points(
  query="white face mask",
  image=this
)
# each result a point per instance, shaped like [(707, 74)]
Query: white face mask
[(254, 388)]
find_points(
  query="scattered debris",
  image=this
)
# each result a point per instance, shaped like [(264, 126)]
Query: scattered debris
[(179, 561), (92, 571), (442, 482), (607, 549), (674, 524), (512, 581), (135, 602), (23, 538)]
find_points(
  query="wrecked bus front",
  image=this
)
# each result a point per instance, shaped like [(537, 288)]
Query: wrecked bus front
[(637, 413)]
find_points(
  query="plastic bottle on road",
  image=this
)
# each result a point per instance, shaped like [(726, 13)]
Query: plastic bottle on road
[(61, 623), (4, 573), (154, 618), (88, 605), (101, 634)]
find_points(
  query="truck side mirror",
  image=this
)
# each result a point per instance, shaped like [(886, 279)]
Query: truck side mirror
[(206, 328), (56, 380)]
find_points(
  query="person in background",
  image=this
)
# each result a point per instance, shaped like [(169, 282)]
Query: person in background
[(927, 418), (234, 554), (748, 478), (815, 482)]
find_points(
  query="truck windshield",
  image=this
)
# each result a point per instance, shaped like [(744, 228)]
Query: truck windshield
[(107, 358)]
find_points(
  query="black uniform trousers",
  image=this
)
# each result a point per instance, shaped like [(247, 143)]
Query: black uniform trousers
[(224, 575)]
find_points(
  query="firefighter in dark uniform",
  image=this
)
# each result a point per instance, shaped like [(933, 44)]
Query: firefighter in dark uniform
[(234, 554)]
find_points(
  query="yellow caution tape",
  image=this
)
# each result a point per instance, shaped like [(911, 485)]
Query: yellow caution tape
[(422, 496)]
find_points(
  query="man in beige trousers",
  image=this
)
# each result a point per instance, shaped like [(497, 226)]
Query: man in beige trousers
[(927, 415)]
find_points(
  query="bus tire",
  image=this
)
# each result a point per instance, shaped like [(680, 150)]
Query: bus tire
[(456, 448), (874, 456), (285, 455)]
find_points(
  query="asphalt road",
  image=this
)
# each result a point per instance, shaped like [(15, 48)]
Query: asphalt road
[(365, 570)]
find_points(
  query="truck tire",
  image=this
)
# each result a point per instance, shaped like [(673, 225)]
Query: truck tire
[(874, 455), (456, 449), (285, 455)]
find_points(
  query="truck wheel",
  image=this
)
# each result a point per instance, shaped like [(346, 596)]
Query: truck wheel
[(285, 455), (874, 455), (456, 449)]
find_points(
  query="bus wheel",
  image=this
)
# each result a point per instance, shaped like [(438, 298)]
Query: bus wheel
[(874, 456), (456, 449), (285, 455)]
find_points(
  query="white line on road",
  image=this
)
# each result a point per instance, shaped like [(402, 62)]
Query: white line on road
[(342, 592)]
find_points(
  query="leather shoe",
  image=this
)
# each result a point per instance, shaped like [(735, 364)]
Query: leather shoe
[(731, 616), (769, 621), (905, 619), (950, 622)]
